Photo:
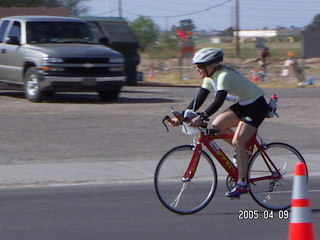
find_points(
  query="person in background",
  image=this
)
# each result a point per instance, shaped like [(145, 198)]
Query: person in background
[(263, 62), (292, 63)]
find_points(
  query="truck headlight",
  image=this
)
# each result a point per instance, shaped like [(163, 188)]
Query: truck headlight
[(52, 60), (116, 60), (48, 64)]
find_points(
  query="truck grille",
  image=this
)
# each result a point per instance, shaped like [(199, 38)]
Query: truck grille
[(87, 67), (86, 60)]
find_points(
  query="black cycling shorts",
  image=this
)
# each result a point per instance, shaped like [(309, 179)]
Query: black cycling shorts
[(253, 113)]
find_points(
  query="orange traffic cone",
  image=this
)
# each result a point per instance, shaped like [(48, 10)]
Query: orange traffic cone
[(301, 227), (255, 75), (151, 73)]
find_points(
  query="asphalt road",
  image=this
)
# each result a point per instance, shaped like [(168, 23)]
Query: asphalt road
[(78, 128), (132, 212)]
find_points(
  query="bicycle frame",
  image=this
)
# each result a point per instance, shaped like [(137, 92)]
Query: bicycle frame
[(209, 142)]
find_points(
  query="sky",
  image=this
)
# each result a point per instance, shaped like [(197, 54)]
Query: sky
[(212, 14)]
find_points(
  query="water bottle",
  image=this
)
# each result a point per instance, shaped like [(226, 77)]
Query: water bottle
[(273, 106)]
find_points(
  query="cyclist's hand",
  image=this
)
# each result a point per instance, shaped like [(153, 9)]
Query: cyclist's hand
[(175, 122), (195, 122)]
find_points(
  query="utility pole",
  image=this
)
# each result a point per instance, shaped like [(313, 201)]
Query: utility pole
[(237, 27), (166, 24), (120, 8)]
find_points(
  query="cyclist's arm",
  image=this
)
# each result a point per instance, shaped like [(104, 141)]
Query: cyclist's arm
[(200, 98), (217, 103)]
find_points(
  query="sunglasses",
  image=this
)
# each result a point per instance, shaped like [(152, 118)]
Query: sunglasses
[(201, 66)]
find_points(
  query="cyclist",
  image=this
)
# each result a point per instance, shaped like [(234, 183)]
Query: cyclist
[(246, 114)]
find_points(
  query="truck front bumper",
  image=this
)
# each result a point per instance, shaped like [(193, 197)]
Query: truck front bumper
[(67, 84)]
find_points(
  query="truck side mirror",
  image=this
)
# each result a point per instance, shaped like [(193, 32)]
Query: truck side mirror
[(104, 41), (13, 40)]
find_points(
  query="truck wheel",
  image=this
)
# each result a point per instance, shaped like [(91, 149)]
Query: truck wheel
[(31, 86), (109, 96)]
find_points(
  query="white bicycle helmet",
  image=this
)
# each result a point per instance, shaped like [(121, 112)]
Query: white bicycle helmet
[(207, 56)]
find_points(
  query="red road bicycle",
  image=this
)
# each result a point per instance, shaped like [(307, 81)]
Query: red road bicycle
[(185, 179)]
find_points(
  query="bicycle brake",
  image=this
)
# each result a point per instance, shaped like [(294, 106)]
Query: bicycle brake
[(180, 117), (166, 118), (177, 114)]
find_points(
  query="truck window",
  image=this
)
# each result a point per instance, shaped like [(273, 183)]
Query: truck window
[(3, 28), (96, 30), (57, 32), (15, 31)]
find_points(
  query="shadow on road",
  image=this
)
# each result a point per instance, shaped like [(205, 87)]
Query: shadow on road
[(92, 98)]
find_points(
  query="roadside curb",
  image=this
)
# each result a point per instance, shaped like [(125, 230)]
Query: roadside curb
[(81, 173), (89, 173)]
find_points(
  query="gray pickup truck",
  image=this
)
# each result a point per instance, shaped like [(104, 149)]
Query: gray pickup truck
[(46, 54)]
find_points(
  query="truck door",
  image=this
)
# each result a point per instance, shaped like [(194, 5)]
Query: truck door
[(11, 63), (3, 30)]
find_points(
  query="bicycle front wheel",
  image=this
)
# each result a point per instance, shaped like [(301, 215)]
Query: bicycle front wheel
[(271, 173), (177, 194)]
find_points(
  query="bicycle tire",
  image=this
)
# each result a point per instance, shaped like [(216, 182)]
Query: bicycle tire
[(180, 196), (273, 194)]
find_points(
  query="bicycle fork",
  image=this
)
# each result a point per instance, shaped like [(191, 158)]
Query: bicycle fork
[(189, 173)]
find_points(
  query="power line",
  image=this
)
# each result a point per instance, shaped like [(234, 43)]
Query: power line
[(282, 2), (284, 11), (185, 14), (111, 11), (280, 9)]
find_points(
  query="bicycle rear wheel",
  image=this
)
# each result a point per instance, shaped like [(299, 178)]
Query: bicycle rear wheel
[(175, 193), (271, 173)]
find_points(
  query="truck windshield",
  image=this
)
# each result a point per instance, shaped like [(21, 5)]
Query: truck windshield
[(58, 32)]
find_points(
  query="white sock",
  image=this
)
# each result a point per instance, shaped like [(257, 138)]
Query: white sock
[(242, 183)]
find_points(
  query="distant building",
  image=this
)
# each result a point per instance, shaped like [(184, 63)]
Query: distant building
[(252, 35), (26, 11), (257, 33), (249, 35), (289, 32), (218, 40), (204, 33)]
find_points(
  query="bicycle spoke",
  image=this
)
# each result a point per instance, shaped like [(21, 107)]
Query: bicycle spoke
[(267, 198), (271, 175), (282, 171), (177, 199), (185, 196)]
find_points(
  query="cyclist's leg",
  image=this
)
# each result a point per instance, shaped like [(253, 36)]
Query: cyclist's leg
[(242, 135), (225, 121), (251, 117)]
